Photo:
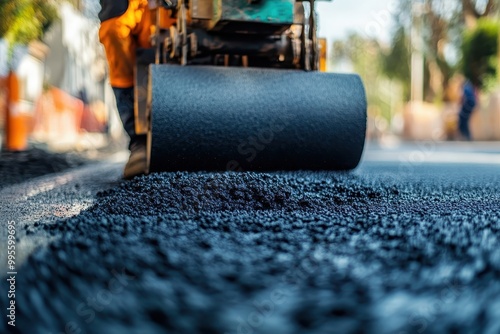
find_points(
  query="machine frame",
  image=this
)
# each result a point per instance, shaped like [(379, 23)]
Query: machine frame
[(209, 33)]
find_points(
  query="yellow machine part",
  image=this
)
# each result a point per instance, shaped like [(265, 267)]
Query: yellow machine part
[(323, 54), (165, 16)]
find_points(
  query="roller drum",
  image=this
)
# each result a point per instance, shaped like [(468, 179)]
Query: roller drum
[(208, 118)]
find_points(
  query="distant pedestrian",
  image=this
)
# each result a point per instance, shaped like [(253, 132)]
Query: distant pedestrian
[(469, 102)]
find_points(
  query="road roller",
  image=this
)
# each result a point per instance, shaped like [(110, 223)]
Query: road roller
[(235, 85)]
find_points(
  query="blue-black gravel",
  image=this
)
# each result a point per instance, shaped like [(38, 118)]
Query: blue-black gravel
[(21, 166), (383, 249)]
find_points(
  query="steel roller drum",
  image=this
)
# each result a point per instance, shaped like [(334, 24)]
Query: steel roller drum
[(229, 118)]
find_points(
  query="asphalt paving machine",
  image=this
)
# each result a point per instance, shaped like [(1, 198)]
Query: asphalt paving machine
[(235, 85)]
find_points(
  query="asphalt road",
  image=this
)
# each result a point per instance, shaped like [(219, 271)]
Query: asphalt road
[(407, 243), (16, 167)]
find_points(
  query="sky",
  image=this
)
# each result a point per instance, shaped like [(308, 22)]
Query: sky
[(370, 17)]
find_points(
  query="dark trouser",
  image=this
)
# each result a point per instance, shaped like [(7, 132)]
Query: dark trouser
[(125, 104), (463, 126)]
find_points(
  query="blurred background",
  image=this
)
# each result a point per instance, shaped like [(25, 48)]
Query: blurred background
[(417, 59)]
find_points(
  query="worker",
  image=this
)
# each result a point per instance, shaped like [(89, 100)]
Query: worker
[(469, 101), (125, 26)]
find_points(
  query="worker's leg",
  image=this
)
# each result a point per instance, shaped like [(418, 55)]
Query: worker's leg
[(120, 39), (125, 105), (116, 36), (463, 126)]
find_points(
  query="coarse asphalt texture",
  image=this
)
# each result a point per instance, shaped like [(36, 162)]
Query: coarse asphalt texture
[(20, 166), (388, 248)]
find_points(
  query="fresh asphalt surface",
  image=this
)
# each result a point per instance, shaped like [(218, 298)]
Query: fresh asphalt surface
[(407, 243), (16, 167)]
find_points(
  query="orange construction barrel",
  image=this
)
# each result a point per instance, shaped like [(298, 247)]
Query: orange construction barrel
[(16, 122)]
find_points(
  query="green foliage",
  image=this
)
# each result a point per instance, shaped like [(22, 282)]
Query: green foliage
[(365, 56), (479, 49), (396, 62), (7, 12), (25, 20), (440, 25)]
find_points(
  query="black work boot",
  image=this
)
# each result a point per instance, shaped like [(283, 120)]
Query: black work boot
[(137, 162)]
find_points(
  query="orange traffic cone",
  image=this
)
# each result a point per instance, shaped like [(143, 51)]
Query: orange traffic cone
[(16, 123)]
